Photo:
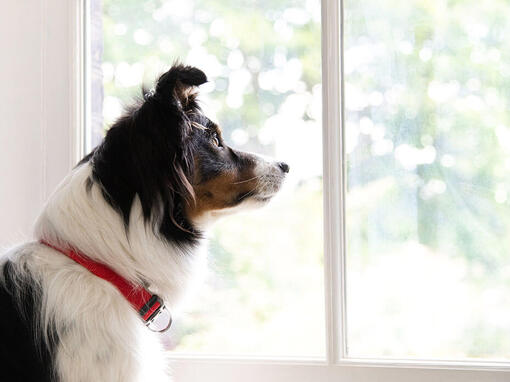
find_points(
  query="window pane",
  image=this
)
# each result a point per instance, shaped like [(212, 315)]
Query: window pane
[(428, 149), (264, 294)]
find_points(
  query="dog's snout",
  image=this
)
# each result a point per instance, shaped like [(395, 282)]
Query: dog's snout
[(284, 166)]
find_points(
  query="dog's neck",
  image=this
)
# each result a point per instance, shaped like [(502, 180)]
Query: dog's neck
[(77, 215)]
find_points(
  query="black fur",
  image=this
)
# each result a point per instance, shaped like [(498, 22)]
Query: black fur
[(151, 152), (148, 153), (28, 358)]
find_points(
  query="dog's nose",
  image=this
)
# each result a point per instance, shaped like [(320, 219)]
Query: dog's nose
[(284, 166)]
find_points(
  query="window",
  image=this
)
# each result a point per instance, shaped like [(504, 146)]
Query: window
[(411, 262), (263, 63), (428, 162)]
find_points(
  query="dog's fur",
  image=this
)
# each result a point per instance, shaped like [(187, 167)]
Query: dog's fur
[(139, 203)]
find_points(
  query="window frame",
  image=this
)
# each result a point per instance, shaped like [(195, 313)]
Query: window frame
[(336, 364)]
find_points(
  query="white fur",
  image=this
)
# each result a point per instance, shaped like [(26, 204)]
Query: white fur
[(101, 337)]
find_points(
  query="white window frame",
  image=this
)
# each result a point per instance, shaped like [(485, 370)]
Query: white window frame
[(69, 56)]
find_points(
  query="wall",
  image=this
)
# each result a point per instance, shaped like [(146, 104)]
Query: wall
[(37, 111)]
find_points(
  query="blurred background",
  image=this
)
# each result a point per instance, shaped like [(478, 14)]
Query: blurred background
[(427, 141), (264, 292), (428, 146)]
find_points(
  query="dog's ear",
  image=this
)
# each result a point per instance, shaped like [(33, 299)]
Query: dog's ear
[(179, 85)]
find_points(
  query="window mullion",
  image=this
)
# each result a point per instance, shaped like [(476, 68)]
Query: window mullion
[(333, 170)]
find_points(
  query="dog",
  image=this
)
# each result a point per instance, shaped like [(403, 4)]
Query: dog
[(131, 217)]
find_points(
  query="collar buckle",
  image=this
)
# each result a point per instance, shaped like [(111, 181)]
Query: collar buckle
[(155, 315)]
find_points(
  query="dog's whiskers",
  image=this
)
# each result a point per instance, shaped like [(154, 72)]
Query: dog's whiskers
[(248, 194), (248, 180)]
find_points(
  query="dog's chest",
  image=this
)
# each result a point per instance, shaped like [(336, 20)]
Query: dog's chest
[(154, 364), (129, 353)]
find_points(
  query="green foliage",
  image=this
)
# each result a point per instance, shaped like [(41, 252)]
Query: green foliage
[(428, 142), (431, 80), (237, 43)]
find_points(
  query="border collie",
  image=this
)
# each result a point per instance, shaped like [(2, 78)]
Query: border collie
[(130, 218)]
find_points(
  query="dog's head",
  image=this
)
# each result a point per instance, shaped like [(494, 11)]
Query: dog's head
[(175, 159)]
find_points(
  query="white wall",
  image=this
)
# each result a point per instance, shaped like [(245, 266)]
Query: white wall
[(37, 45)]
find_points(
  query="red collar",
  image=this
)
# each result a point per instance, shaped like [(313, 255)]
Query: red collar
[(150, 307)]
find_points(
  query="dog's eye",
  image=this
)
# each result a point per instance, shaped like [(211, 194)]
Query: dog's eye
[(215, 140)]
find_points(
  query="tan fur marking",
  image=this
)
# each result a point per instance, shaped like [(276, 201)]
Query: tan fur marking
[(220, 192), (185, 93), (198, 125)]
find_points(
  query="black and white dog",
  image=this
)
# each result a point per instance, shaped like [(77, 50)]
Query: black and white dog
[(136, 208)]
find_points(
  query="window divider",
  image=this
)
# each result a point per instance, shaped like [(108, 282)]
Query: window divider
[(333, 178)]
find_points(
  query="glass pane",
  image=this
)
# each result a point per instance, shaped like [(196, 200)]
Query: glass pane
[(264, 293), (428, 148)]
